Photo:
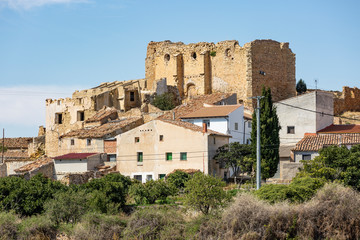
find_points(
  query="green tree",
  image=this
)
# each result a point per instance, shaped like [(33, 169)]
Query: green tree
[(150, 191), (301, 86), (237, 157), (205, 193), (164, 101), (335, 163), (269, 135), (178, 179)]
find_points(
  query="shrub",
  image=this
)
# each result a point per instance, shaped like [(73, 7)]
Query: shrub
[(150, 191), (99, 226), (178, 179), (37, 227), (8, 225), (164, 101), (155, 223), (67, 207), (27, 197), (205, 193)]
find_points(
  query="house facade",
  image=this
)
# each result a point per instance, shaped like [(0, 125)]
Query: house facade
[(155, 149), (226, 119)]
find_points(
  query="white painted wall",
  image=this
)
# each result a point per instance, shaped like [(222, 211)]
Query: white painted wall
[(68, 166)]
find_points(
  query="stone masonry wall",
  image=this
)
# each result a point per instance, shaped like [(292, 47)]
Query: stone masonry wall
[(226, 66), (347, 100)]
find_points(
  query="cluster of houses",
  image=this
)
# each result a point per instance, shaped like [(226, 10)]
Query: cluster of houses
[(185, 138)]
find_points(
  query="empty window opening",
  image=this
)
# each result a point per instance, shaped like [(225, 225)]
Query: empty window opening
[(168, 156), (162, 176), (88, 142), (149, 177), (161, 138), (137, 139), (228, 52), (80, 116), (58, 118), (236, 126), (291, 130), (132, 96), (72, 142), (140, 157), (214, 140), (249, 124), (306, 157), (183, 156), (138, 177), (167, 57), (193, 55), (111, 157)]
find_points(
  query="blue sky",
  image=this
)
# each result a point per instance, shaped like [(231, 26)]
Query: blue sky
[(50, 48)]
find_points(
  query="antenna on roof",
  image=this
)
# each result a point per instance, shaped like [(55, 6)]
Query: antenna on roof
[(316, 81)]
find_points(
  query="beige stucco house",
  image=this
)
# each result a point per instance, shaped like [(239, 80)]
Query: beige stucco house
[(152, 150)]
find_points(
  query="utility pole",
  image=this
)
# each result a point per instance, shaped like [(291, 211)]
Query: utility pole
[(258, 150)]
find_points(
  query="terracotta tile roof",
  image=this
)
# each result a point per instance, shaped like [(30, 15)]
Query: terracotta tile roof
[(316, 142), (36, 164), (15, 155), (21, 142), (71, 156), (213, 111), (350, 128), (247, 116), (193, 127), (103, 130), (103, 114), (195, 104)]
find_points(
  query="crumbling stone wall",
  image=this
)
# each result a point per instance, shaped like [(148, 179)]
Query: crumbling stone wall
[(203, 68), (347, 100)]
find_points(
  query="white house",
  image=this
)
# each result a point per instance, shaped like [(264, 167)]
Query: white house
[(226, 119)]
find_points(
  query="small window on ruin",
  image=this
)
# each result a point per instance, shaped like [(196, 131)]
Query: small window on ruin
[(137, 139), (241, 101), (161, 138), (132, 96), (72, 142), (80, 116), (291, 130), (228, 52), (58, 118), (167, 57), (88, 142), (193, 55)]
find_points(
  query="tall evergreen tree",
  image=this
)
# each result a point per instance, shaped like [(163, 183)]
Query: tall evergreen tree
[(269, 135), (301, 86)]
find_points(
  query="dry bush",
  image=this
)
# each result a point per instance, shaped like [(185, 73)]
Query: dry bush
[(249, 217), (37, 227), (334, 213), (96, 226), (8, 225)]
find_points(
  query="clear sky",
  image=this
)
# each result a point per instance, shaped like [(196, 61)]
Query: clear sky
[(50, 48)]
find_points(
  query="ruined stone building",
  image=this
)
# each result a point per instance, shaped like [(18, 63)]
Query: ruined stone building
[(204, 68)]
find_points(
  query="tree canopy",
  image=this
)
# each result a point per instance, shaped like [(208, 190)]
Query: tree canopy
[(269, 135), (301, 86), (164, 101)]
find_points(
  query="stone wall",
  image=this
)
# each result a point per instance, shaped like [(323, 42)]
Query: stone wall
[(203, 68), (288, 170), (3, 172), (347, 100), (48, 170)]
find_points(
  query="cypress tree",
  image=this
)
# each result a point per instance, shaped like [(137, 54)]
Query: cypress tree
[(269, 135), (301, 86)]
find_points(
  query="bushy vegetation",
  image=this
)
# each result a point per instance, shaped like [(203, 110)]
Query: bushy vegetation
[(178, 179), (164, 101), (151, 191)]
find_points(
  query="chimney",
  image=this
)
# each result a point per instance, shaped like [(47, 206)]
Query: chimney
[(204, 128), (173, 116)]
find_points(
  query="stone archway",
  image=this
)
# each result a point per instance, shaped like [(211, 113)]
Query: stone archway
[(191, 91)]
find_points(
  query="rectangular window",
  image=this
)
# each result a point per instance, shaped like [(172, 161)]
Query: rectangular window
[(306, 157), (162, 176), (168, 156), (137, 139), (236, 126), (148, 177), (161, 138), (183, 156), (111, 157), (80, 116), (72, 142), (207, 122), (138, 177), (214, 140), (132, 96), (58, 118), (291, 130), (249, 124), (140, 157), (88, 142)]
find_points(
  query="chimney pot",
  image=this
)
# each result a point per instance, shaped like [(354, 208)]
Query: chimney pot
[(204, 128)]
